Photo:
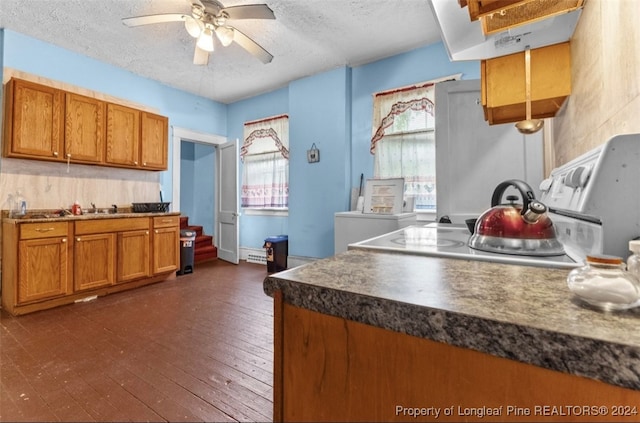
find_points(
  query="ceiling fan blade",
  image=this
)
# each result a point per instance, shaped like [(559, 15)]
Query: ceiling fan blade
[(251, 46), (200, 56), (153, 19), (249, 11)]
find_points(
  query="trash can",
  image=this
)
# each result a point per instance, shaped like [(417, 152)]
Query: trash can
[(187, 247), (277, 251)]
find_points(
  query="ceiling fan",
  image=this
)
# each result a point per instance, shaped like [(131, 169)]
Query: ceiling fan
[(210, 17)]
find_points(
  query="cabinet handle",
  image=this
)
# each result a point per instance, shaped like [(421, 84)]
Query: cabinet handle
[(44, 229), (78, 239), (144, 163), (156, 231), (69, 155), (166, 220), (135, 163), (64, 239), (55, 154), (146, 233)]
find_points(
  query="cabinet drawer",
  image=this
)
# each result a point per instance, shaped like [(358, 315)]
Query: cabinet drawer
[(85, 227), (166, 221), (43, 230)]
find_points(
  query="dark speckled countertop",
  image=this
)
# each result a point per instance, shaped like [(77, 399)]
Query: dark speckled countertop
[(36, 217), (521, 313)]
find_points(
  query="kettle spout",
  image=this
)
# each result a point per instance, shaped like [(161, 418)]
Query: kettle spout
[(533, 213)]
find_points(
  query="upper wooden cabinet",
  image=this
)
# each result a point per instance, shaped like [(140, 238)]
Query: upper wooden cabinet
[(501, 15), (46, 123), (34, 121), (154, 141), (503, 84), (123, 135), (84, 128)]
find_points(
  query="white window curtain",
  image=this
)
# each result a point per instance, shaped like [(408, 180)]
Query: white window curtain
[(265, 156), (403, 140)]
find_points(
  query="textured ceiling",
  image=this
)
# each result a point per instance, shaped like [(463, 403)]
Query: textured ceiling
[(307, 37)]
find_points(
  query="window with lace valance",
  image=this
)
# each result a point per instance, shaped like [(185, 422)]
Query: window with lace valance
[(265, 156), (403, 140)]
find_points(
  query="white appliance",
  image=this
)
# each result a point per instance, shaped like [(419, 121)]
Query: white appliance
[(356, 226), (594, 203), (594, 200)]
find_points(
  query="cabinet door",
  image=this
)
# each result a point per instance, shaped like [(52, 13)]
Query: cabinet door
[(154, 141), (166, 249), (93, 261), (133, 255), (34, 124), (42, 269), (84, 128), (123, 135)]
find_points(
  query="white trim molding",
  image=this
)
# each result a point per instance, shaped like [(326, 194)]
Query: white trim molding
[(179, 135)]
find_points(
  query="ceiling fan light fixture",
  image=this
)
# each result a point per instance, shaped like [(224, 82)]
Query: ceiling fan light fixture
[(225, 35), (205, 41), (194, 26)]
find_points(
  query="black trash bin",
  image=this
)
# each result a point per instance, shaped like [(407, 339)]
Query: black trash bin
[(187, 251), (277, 251)]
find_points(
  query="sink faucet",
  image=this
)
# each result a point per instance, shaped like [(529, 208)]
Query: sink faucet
[(115, 208)]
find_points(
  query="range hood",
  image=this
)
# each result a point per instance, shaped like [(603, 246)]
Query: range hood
[(465, 39)]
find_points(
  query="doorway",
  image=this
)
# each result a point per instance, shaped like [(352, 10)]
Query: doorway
[(199, 189)]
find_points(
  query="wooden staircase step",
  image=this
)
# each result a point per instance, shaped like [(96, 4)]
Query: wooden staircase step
[(203, 240), (205, 254)]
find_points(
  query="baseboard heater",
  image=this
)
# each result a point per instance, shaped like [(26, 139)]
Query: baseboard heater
[(257, 258)]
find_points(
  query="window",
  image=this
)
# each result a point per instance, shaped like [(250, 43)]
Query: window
[(403, 141), (265, 172)]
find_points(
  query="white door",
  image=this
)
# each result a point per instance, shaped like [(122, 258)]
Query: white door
[(228, 215)]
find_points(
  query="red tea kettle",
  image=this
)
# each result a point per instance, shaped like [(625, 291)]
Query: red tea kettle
[(521, 229)]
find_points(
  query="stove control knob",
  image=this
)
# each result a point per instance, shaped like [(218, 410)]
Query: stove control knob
[(546, 184), (578, 177)]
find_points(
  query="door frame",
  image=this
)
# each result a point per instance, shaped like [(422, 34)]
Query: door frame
[(183, 134)]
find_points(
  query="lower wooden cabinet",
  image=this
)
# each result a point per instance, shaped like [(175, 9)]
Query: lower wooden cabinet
[(53, 263), (93, 261), (166, 244), (43, 257), (133, 255)]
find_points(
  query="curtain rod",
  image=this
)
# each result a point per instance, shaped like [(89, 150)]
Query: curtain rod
[(419, 85), (266, 119), (407, 88)]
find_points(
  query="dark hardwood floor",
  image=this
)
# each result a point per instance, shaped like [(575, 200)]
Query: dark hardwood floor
[(198, 348)]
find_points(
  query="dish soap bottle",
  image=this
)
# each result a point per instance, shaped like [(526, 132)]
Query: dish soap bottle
[(604, 283), (633, 262)]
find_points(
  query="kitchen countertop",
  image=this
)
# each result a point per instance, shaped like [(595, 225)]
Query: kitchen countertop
[(34, 217), (521, 313)]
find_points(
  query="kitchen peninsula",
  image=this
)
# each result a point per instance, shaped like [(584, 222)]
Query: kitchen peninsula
[(377, 336)]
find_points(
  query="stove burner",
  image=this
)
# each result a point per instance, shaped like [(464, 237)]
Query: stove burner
[(428, 242)]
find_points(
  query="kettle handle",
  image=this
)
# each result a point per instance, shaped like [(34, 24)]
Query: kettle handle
[(525, 190)]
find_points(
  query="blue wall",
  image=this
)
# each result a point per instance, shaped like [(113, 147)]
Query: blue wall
[(334, 110), (183, 109)]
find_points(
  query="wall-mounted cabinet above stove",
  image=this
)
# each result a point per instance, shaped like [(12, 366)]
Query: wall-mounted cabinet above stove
[(503, 84)]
